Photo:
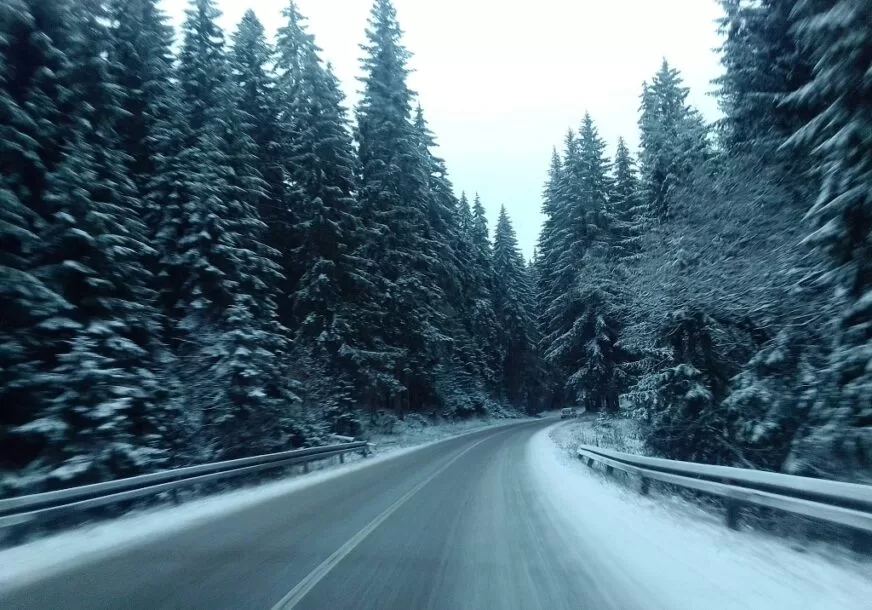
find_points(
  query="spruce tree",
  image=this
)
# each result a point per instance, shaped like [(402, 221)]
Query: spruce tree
[(578, 325), (220, 279), (836, 34), (107, 413), (513, 304), (258, 113), (627, 210), (336, 296), (142, 65), (762, 64), (478, 313), (483, 264), (34, 128), (460, 372), (673, 139), (394, 200)]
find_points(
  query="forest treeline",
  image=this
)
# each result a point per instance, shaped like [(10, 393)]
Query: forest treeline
[(719, 287), (203, 256)]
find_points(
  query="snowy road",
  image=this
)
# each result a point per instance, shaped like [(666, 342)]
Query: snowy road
[(458, 524), (491, 519)]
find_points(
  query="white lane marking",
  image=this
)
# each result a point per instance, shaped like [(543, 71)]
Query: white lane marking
[(296, 594)]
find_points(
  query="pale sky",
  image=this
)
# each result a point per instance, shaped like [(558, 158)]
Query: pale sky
[(501, 81)]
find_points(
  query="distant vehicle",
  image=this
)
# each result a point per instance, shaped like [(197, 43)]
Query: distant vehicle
[(567, 413)]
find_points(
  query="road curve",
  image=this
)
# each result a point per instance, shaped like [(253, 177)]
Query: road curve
[(455, 525)]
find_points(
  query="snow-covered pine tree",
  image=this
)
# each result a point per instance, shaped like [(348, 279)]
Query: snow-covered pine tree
[(257, 109), (478, 313), (460, 376), (286, 226), (548, 248), (483, 264), (441, 219), (628, 213), (513, 304), (221, 279), (571, 231), (673, 139), (762, 64), (142, 65), (108, 414), (585, 347), (34, 126), (394, 200), (337, 296), (836, 34)]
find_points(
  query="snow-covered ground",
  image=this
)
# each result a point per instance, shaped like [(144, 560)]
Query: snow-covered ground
[(619, 433), (408, 434), (34, 560), (680, 560)]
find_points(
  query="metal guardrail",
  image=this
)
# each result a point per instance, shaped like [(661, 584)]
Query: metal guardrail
[(42, 506), (847, 504)]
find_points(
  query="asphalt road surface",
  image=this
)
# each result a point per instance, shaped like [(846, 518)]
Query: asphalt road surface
[(460, 524)]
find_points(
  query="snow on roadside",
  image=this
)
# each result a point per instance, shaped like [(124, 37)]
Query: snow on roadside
[(412, 435), (32, 561), (685, 563)]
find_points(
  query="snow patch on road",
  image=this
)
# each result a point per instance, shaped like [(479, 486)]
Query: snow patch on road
[(32, 561), (682, 563)]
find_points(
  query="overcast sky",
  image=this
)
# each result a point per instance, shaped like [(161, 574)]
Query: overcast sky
[(502, 80)]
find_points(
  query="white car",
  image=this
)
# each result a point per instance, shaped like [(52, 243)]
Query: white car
[(567, 413)]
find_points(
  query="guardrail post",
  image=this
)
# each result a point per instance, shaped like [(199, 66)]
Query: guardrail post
[(609, 470), (645, 487), (341, 458), (733, 514), (305, 467)]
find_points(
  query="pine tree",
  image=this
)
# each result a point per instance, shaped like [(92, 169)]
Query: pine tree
[(441, 205), (34, 127), (836, 34), (220, 278), (627, 210), (763, 64), (513, 304), (142, 65), (461, 372), (336, 296), (482, 253), (584, 342), (257, 111), (673, 139), (394, 200), (107, 413), (478, 313)]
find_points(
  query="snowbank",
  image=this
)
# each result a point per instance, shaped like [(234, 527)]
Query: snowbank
[(678, 562), (34, 560)]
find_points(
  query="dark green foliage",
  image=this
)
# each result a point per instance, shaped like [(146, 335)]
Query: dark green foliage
[(673, 139), (94, 405), (513, 307), (836, 35), (32, 132), (395, 202), (763, 64), (582, 238), (336, 295), (196, 262), (627, 210)]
